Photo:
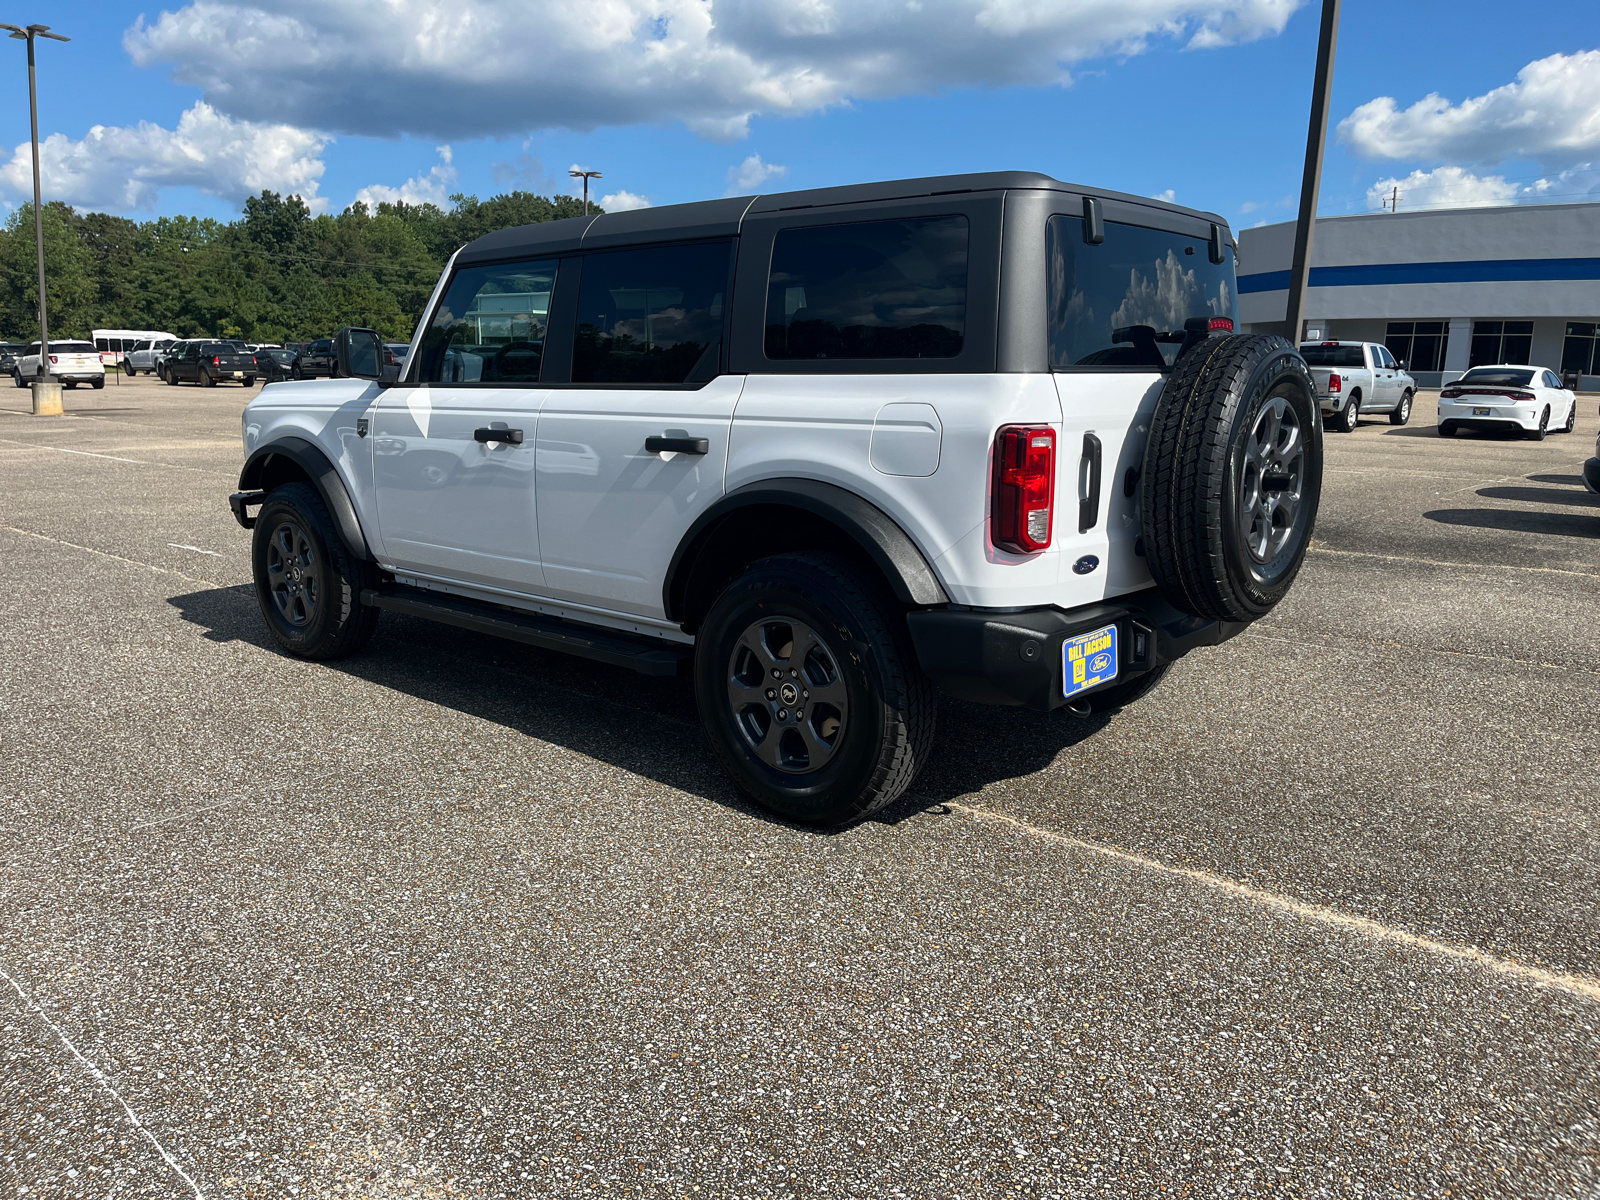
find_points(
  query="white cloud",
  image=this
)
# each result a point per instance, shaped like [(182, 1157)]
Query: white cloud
[(125, 168), (623, 202), (751, 174), (1170, 196), (1453, 187), (1551, 113), (475, 68), (432, 188)]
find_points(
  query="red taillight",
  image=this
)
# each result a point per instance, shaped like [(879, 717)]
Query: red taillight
[(216, 360), (1223, 323), (1024, 487), (1449, 394), (53, 358), (1335, 384)]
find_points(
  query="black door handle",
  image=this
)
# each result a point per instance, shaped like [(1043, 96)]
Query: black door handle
[(677, 445), (1089, 506), (510, 436)]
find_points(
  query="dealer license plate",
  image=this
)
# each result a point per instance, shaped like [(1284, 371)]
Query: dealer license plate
[(1089, 659), (237, 374), (1482, 412)]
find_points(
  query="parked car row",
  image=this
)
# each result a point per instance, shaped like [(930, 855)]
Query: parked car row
[(1355, 379), (207, 361)]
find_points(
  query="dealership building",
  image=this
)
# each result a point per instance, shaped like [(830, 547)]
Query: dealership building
[(1445, 289)]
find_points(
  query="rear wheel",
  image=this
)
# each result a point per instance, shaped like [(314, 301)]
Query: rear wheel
[(1402, 411), (99, 383), (249, 381), (809, 691), (1537, 435), (1446, 429), (1572, 417), (308, 584), (1351, 416), (205, 378)]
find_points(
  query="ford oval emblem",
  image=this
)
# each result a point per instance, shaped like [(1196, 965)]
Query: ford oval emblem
[(1085, 564)]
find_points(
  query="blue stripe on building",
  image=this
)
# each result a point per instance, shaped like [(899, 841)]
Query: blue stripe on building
[(1491, 270)]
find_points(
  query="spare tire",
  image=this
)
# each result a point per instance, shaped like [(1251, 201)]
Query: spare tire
[(1231, 478)]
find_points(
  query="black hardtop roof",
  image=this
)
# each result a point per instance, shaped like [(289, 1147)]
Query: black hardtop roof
[(722, 218)]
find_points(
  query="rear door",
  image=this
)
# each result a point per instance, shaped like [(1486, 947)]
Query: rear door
[(453, 452), (632, 449)]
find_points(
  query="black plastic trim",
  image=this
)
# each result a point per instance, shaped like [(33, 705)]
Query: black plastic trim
[(646, 655), (324, 477), (1014, 658), (889, 546)]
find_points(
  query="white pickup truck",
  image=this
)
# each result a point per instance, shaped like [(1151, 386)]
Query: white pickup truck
[(1359, 377), (146, 355)]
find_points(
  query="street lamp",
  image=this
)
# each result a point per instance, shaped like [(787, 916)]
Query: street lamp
[(46, 399), (585, 176)]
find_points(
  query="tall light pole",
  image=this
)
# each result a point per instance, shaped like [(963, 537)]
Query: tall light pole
[(585, 176), (1311, 182), (46, 400)]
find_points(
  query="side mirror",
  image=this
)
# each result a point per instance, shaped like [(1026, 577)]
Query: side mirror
[(358, 353)]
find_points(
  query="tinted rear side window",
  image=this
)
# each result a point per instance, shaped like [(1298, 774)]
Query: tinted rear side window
[(1123, 302), (1333, 356), (649, 315), (874, 289), (490, 326)]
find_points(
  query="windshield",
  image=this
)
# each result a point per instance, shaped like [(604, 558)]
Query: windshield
[(282, 356), (1499, 376), (1333, 356)]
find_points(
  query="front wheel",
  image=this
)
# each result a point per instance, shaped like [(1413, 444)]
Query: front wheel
[(809, 690), (308, 584), (1402, 412)]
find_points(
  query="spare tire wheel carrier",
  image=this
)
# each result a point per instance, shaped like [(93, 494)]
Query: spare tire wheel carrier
[(1232, 477)]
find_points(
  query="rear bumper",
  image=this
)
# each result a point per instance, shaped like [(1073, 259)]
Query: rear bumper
[(991, 656), (1500, 416)]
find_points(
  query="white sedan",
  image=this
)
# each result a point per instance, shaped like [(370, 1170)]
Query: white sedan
[(1508, 397)]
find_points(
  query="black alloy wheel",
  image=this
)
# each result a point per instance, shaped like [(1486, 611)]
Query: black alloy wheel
[(1537, 435), (1271, 481), (308, 583), (1446, 429), (1572, 417), (293, 573), (1402, 411), (809, 691)]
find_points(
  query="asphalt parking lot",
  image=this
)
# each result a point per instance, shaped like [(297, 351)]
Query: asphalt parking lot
[(457, 917)]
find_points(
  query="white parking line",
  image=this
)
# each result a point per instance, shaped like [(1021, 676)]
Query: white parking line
[(105, 554), (1465, 566), (1578, 985), (196, 549), (100, 1078)]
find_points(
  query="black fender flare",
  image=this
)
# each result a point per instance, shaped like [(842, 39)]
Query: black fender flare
[(888, 546), (324, 476)]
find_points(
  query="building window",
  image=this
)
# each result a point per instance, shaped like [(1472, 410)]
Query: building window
[(1420, 344), (1581, 353), (1500, 342)]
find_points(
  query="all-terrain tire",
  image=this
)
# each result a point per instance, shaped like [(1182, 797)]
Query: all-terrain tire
[(1349, 419), (848, 653), (308, 584), (1402, 411), (1232, 477)]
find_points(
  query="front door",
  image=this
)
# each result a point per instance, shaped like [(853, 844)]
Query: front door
[(613, 503), (453, 452)]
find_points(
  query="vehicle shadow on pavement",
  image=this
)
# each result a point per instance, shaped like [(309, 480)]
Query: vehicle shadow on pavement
[(1519, 521), (636, 723), (1428, 431), (1532, 495)]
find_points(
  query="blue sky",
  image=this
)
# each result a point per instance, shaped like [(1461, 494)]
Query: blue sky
[(687, 99)]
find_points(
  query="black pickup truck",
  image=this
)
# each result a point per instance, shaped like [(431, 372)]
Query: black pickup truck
[(206, 363)]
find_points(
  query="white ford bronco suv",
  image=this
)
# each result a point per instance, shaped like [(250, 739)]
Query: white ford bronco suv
[(826, 451)]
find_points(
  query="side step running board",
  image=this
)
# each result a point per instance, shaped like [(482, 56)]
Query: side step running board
[(648, 656)]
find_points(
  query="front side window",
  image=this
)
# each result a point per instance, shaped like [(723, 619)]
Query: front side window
[(650, 315), (1123, 303), (869, 290), (490, 325)]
